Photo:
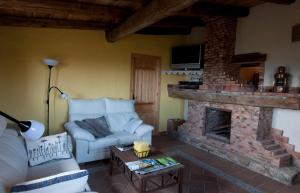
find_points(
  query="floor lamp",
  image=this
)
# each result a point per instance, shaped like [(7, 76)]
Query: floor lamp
[(52, 63)]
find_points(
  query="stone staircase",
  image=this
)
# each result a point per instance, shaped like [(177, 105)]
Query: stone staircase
[(280, 154)]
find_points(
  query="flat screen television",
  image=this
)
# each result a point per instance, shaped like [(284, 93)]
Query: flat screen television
[(187, 57)]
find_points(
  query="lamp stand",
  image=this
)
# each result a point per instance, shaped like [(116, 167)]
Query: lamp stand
[(48, 98)]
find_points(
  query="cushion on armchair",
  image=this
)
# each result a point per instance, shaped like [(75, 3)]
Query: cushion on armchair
[(49, 148), (66, 182)]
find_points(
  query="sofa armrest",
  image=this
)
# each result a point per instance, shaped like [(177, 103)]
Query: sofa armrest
[(88, 192), (78, 133), (143, 130)]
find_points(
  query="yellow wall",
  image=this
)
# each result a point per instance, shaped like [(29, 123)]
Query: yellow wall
[(89, 68)]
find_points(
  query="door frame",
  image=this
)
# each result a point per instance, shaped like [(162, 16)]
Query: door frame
[(132, 78)]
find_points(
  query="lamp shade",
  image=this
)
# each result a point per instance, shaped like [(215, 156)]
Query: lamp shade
[(64, 96), (32, 130), (50, 62)]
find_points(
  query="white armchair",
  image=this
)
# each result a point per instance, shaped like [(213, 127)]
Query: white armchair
[(87, 147)]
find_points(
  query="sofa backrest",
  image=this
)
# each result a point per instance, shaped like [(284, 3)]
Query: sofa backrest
[(119, 106), (86, 108), (117, 111), (13, 159), (80, 109)]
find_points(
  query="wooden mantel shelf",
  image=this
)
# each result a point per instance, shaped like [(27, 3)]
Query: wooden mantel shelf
[(257, 99)]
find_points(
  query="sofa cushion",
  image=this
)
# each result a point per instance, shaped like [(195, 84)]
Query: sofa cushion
[(125, 138), (49, 148), (117, 121), (67, 182), (13, 159), (51, 168), (132, 125), (119, 106), (98, 127), (78, 133), (86, 108), (3, 124), (143, 129), (105, 142)]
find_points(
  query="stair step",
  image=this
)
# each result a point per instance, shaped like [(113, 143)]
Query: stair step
[(276, 152), (277, 132), (268, 141), (284, 160), (272, 146)]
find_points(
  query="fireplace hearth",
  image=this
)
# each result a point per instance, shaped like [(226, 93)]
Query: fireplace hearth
[(218, 124)]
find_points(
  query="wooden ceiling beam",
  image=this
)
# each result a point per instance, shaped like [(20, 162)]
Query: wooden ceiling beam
[(204, 8), (51, 23), (149, 14), (131, 4), (164, 31), (179, 22), (64, 10), (284, 2)]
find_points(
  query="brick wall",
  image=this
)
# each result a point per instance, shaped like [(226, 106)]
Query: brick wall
[(219, 73), (248, 125)]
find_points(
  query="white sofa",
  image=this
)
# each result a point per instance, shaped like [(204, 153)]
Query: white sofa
[(117, 113), (14, 167)]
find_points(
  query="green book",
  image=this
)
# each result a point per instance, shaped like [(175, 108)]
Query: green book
[(167, 161)]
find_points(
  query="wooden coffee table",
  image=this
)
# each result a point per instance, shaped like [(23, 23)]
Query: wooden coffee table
[(147, 182)]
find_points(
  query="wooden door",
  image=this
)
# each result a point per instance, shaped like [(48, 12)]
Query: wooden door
[(145, 87)]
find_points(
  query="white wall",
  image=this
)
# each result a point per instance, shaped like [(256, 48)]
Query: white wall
[(289, 121), (268, 29)]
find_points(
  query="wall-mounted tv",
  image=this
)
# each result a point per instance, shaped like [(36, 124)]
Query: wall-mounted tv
[(187, 57)]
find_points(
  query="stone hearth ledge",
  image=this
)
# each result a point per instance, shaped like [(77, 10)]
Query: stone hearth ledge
[(256, 99), (285, 175)]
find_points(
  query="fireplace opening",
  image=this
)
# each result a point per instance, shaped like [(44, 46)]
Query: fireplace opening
[(218, 124)]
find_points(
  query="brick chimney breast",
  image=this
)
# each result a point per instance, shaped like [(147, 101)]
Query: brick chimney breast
[(219, 72)]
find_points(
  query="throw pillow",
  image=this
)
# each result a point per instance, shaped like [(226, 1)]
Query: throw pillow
[(132, 125), (49, 148), (97, 127), (117, 121), (66, 182)]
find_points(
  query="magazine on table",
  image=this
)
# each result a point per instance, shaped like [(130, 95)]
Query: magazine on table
[(151, 165), (124, 147)]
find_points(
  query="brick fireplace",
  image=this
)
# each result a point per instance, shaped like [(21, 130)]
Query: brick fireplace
[(230, 121)]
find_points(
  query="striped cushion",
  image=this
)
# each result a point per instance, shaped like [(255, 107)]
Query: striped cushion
[(67, 182)]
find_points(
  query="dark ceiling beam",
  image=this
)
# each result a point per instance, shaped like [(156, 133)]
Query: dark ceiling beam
[(153, 12), (203, 8), (51, 23), (164, 31), (284, 2), (131, 4), (64, 10), (179, 22)]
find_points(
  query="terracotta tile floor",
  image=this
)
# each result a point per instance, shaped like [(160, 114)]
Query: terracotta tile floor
[(204, 173)]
